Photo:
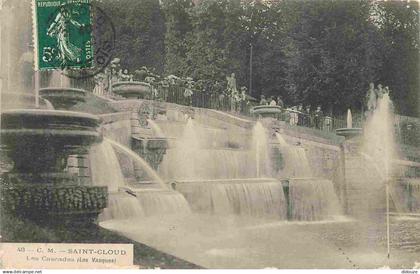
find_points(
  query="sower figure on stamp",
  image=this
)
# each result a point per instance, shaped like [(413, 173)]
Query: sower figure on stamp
[(59, 30)]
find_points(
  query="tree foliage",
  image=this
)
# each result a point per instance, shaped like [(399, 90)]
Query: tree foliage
[(323, 52), (140, 32)]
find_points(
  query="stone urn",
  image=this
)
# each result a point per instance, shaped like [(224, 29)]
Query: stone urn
[(38, 143), (132, 90), (63, 98), (265, 111)]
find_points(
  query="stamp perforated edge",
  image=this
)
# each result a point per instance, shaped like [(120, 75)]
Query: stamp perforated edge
[(35, 34), (35, 38)]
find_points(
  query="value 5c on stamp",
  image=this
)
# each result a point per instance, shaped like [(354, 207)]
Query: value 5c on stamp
[(63, 34), (66, 256)]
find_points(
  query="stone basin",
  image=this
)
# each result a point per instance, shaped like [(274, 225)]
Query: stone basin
[(132, 90), (266, 111), (349, 132), (63, 98), (39, 140)]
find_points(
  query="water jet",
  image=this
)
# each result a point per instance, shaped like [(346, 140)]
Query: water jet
[(132, 90)]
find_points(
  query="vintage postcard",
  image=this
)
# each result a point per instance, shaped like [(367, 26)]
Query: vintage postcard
[(209, 134)]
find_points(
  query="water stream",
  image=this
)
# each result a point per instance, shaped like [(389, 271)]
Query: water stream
[(295, 160), (156, 128), (128, 200), (310, 198)]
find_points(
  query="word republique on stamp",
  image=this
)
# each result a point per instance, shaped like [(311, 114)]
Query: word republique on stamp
[(63, 34)]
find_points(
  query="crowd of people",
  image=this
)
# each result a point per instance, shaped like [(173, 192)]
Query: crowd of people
[(223, 95), (215, 94), (298, 115)]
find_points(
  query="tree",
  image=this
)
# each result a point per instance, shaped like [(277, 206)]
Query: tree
[(327, 62), (323, 52), (398, 23), (140, 31), (206, 55), (178, 29)]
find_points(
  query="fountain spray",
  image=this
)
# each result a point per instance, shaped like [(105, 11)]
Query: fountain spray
[(380, 146), (349, 119)]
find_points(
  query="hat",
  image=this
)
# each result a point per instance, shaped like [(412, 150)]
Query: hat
[(115, 61)]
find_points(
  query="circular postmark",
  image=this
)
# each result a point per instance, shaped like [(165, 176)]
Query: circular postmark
[(99, 35)]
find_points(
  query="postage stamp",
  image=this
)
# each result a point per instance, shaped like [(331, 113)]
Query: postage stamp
[(63, 34)]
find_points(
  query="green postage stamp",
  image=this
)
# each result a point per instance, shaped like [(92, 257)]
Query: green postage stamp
[(62, 34)]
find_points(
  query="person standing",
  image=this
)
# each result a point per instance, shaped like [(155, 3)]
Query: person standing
[(99, 84), (234, 100), (308, 116), (300, 115), (371, 98), (232, 91), (188, 92), (293, 116), (263, 101), (272, 101), (318, 117), (124, 75), (244, 101)]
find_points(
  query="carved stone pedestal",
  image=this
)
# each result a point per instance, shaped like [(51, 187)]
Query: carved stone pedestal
[(151, 150)]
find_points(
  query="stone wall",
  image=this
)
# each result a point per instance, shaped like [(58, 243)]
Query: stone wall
[(323, 148), (117, 126), (329, 156)]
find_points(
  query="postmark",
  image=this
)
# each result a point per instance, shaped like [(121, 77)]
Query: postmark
[(73, 36)]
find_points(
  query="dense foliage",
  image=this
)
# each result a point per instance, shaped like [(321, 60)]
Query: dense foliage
[(322, 52)]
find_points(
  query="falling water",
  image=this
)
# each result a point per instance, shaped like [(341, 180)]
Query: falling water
[(224, 180), (105, 168), (379, 141), (181, 162), (162, 202), (228, 181), (122, 206), (106, 171), (249, 197), (139, 162), (204, 153), (58, 79), (296, 163), (260, 150), (208, 164), (48, 104), (156, 129), (125, 201), (312, 199), (196, 158)]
